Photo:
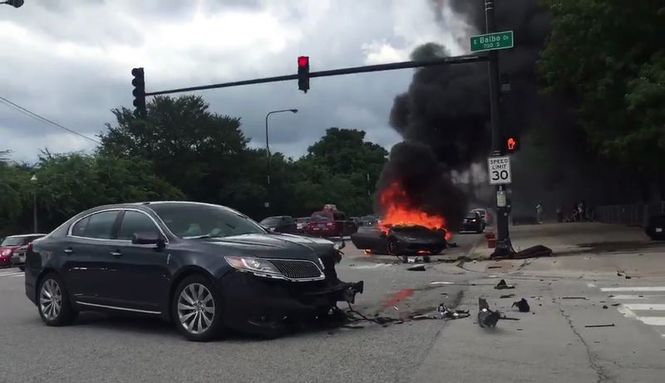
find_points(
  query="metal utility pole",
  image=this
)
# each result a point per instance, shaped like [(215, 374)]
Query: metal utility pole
[(267, 203), (503, 245), (33, 179)]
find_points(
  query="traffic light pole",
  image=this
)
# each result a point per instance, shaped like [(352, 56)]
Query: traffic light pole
[(334, 72), (503, 244)]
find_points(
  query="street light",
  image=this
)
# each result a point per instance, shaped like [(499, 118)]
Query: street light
[(267, 204), (13, 3), (33, 179)]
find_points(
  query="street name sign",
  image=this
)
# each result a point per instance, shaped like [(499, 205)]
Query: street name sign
[(499, 170), (492, 41)]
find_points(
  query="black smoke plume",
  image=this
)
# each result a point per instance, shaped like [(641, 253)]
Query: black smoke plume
[(446, 110)]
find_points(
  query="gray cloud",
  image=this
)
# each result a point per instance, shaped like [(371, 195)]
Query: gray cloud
[(70, 61)]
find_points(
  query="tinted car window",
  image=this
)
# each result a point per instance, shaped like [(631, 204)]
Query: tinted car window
[(98, 225), (191, 220), (79, 228), (134, 222), (471, 216)]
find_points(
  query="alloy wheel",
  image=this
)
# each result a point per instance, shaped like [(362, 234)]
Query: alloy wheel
[(196, 308), (50, 299)]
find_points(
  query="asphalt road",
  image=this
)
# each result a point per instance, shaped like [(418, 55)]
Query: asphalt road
[(552, 343), (99, 348)]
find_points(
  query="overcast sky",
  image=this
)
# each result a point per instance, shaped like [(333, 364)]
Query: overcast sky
[(70, 61)]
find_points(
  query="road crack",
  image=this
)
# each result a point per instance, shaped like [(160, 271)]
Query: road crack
[(594, 362)]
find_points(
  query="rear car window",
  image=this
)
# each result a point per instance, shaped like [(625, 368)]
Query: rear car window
[(99, 225), (12, 241), (321, 216), (271, 221)]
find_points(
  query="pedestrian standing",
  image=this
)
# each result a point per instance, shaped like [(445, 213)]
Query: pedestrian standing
[(539, 213)]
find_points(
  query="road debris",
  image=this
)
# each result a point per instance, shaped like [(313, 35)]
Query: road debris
[(417, 268), (581, 298), (494, 267), (502, 285), (487, 317), (507, 296), (628, 277), (599, 325), (616, 304), (443, 312), (522, 305), (605, 307)]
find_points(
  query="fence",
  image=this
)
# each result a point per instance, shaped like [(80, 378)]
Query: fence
[(633, 215)]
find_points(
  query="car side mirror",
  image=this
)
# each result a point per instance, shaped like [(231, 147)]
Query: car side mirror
[(340, 245), (149, 239)]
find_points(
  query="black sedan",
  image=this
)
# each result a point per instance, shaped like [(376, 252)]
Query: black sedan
[(280, 224), (473, 222), (205, 267), (403, 240)]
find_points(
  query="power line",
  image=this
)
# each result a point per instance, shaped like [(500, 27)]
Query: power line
[(36, 116)]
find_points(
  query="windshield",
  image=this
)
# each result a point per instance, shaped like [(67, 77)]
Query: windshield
[(194, 220), (471, 216)]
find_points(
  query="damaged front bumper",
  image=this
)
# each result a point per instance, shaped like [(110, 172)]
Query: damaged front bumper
[(264, 306)]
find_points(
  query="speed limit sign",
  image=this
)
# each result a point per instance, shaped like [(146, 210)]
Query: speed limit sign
[(499, 170)]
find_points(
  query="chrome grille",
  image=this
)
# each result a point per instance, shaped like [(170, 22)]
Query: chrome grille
[(297, 269)]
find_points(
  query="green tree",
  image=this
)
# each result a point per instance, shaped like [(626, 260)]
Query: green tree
[(340, 168), (69, 184), (199, 152), (608, 55)]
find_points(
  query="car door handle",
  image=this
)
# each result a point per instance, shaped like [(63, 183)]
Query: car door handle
[(69, 250), (116, 253)]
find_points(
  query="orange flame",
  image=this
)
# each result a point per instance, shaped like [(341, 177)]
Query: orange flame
[(398, 211)]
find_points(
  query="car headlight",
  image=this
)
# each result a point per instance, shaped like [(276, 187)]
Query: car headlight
[(6, 252), (254, 265)]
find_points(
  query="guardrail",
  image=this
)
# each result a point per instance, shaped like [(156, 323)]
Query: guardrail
[(633, 214)]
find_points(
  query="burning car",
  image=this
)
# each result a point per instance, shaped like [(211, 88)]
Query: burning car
[(401, 240), (404, 230)]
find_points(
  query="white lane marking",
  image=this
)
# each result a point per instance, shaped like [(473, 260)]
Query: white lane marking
[(637, 297), (645, 306), (635, 288), (653, 321), (591, 285), (442, 283), (626, 312)]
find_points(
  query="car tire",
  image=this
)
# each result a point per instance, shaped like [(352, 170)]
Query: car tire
[(392, 246), (53, 302), (22, 267), (196, 309)]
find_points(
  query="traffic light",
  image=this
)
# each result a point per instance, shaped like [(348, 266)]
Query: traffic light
[(139, 91), (303, 73), (511, 144)]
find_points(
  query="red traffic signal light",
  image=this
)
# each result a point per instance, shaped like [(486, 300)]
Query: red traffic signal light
[(511, 144), (303, 61), (303, 73)]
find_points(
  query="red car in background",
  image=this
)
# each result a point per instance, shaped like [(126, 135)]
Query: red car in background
[(330, 223), (12, 244)]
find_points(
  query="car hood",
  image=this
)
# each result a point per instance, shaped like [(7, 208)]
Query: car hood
[(280, 246)]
